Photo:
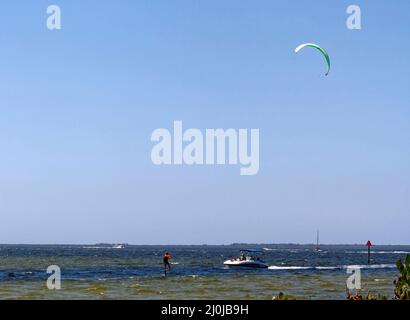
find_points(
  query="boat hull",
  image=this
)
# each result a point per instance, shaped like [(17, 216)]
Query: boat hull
[(246, 264)]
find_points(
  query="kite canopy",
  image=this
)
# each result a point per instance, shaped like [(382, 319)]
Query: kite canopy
[(323, 51)]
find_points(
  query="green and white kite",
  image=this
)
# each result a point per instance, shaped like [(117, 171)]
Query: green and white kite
[(323, 51)]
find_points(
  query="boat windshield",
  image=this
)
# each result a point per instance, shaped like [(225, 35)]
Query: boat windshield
[(250, 254)]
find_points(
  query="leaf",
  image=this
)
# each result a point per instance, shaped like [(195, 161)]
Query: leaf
[(400, 267)]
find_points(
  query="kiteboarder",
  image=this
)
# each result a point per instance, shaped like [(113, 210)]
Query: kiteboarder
[(166, 259)]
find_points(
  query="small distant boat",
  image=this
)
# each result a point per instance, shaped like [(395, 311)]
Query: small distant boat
[(248, 258), (119, 246)]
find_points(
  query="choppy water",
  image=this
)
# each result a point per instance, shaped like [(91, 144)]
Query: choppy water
[(136, 272)]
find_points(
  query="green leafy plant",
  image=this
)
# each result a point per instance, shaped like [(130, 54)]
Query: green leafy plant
[(282, 296), (402, 291)]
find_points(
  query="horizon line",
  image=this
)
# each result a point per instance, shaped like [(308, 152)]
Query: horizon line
[(203, 244)]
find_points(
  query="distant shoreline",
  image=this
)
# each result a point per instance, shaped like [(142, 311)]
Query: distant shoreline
[(234, 245)]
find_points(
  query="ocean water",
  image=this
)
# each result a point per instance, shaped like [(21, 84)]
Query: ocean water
[(136, 272)]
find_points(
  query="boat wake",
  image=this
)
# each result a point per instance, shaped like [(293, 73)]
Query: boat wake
[(365, 266), (380, 252)]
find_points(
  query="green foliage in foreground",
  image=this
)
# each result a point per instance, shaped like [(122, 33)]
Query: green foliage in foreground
[(282, 296), (402, 291)]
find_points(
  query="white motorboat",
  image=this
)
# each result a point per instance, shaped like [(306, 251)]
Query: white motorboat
[(248, 258), (119, 246)]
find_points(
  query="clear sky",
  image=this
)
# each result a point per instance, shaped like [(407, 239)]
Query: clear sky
[(78, 106)]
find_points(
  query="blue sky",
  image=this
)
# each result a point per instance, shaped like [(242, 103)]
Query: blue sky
[(77, 108)]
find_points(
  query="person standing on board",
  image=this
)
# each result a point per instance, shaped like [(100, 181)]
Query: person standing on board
[(166, 259)]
